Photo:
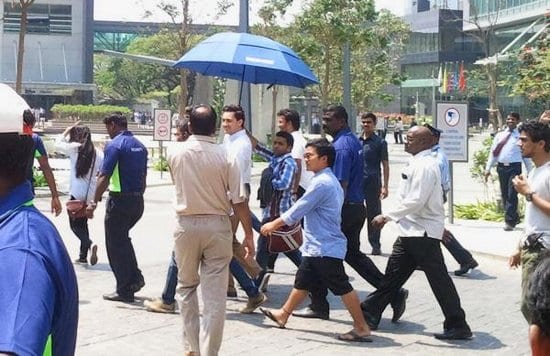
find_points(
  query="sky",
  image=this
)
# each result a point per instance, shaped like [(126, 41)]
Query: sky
[(134, 10)]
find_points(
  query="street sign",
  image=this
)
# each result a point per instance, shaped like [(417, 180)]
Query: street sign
[(452, 120), (162, 126)]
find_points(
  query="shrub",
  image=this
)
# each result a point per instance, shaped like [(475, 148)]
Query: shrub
[(87, 112), (38, 178), (161, 164)]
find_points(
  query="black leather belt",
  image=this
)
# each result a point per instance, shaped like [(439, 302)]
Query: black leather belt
[(509, 164), (125, 194)]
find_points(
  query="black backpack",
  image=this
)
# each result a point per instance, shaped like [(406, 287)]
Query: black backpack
[(265, 191)]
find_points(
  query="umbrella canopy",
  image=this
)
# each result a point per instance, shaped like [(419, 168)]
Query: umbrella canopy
[(11, 110), (248, 58)]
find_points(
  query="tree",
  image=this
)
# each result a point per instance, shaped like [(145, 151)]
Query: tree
[(318, 34), (24, 4)]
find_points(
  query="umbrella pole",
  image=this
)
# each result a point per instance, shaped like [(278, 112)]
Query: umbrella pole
[(242, 85)]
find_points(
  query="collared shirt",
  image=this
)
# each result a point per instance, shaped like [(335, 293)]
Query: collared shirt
[(348, 165), (284, 169), (298, 150), (536, 221), (125, 160), (443, 163), (38, 288), (420, 208), (78, 186), (39, 151), (321, 208), (203, 174), (375, 150), (510, 153), (240, 149)]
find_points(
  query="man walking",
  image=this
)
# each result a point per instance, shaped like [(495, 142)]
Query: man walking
[(125, 167), (506, 154), (534, 142), (375, 161), (420, 218), (203, 175), (38, 287), (459, 253), (348, 169)]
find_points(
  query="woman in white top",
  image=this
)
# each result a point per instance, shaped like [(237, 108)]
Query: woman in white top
[(76, 142)]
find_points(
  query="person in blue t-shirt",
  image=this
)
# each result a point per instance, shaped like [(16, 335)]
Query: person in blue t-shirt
[(125, 168), (38, 288)]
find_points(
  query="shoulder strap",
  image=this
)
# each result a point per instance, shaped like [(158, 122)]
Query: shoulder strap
[(91, 173)]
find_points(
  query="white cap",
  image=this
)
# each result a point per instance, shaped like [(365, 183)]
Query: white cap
[(11, 110)]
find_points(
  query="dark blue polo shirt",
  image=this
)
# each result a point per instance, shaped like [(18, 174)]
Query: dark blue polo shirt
[(348, 165), (375, 150), (38, 289), (39, 151), (125, 160)]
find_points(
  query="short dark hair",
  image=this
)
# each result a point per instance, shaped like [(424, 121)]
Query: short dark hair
[(369, 115), (515, 115), (15, 157), (203, 120), (538, 295), (237, 110), (433, 130), (292, 116), (117, 119), (338, 111), (537, 131), (323, 148), (288, 137), (182, 125), (29, 118)]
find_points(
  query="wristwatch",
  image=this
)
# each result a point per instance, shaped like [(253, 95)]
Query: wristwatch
[(529, 196)]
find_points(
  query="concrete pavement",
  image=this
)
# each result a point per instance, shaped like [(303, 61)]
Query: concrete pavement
[(490, 294)]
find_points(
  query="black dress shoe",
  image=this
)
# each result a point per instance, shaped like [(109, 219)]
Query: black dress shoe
[(455, 334), (465, 268), (399, 305), (310, 313), (115, 297), (372, 322), (136, 287)]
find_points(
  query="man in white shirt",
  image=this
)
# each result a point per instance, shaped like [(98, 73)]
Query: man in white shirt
[(534, 142), (420, 218), (238, 147)]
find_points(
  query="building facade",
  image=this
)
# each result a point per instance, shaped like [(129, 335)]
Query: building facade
[(58, 57)]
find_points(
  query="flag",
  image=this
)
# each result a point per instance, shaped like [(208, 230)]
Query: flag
[(440, 77), (445, 80), (455, 83), (451, 79), (462, 78)]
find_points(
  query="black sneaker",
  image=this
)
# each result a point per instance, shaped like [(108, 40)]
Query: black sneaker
[(81, 261)]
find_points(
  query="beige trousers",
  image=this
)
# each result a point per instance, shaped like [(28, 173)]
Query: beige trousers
[(203, 250)]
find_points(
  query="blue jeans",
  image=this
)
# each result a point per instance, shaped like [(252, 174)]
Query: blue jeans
[(244, 280), (169, 292), (256, 224)]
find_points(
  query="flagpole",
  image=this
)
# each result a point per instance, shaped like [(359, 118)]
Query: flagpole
[(433, 99)]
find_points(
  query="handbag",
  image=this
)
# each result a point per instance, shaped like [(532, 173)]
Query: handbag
[(286, 238), (77, 208)]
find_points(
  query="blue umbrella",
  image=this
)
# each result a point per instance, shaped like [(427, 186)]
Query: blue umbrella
[(248, 58)]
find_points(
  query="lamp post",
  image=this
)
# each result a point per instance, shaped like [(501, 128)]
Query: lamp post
[(244, 87)]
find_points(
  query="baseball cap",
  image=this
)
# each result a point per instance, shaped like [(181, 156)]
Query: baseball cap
[(11, 110)]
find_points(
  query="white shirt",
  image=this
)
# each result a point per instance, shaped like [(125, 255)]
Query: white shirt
[(421, 198), (298, 150), (79, 186), (239, 148), (536, 220)]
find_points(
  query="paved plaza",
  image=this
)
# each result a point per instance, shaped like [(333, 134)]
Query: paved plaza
[(489, 294)]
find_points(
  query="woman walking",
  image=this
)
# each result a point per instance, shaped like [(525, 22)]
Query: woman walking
[(76, 142)]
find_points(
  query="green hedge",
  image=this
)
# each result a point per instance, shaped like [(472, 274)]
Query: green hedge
[(87, 112)]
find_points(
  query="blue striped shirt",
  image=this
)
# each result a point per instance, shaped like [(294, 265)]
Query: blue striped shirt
[(284, 169)]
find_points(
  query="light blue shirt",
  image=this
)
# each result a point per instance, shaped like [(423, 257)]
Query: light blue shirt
[(510, 152), (321, 208), (443, 163)]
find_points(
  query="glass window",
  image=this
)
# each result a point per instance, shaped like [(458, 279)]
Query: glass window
[(42, 18)]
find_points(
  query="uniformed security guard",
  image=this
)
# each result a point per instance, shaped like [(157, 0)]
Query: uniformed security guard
[(125, 166)]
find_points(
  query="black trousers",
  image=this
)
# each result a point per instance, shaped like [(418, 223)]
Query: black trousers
[(122, 213), (459, 253), (80, 229), (371, 191), (507, 191), (407, 254), (353, 218)]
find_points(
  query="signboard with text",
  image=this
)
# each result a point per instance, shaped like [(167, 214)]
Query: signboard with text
[(452, 119), (162, 127)]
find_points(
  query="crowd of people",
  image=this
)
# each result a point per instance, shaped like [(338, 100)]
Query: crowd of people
[(330, 188)]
